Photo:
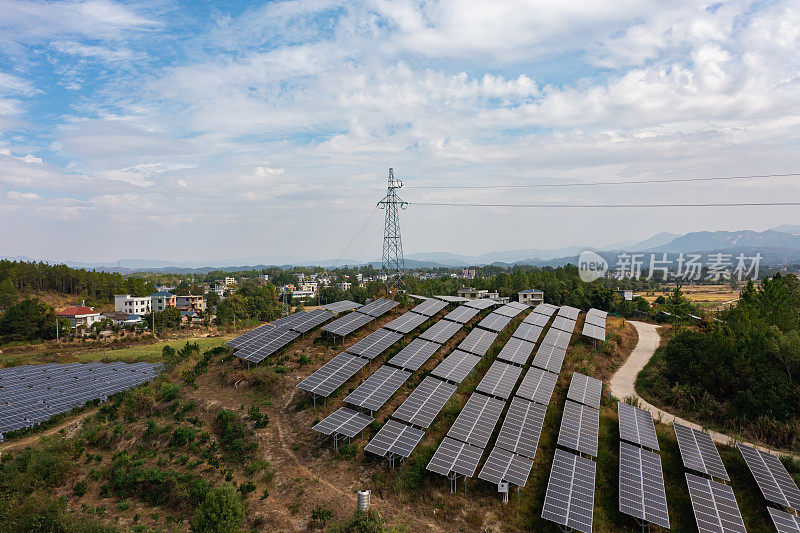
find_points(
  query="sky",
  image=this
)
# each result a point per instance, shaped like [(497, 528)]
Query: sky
[(217, 131)]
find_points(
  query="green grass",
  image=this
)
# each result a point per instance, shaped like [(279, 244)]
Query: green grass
[(150, 353)]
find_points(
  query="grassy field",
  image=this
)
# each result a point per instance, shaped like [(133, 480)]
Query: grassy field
[(706, 296), (150, 353)]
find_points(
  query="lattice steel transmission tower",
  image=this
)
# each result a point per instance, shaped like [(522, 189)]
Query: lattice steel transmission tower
[(392, 263)]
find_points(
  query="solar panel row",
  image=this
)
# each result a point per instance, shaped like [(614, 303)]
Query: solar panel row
[(771, 476), (375, 343), (569, 500), (478, 341), (343, 421), (516, 350), (579, 428), (586, 390), (378, 388), (699, 452), (499, 380), (636, 426), (430, 307), (641, 485), (407, 322), (495, 322)]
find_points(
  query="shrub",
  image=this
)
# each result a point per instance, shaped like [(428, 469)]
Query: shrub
[(79, 489), (320, 516), (232, 435), (168, 392), (220, 512), (182, 436)]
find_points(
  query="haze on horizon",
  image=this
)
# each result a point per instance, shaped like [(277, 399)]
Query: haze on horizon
[(198, 131)]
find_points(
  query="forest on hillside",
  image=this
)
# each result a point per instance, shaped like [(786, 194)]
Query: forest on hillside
[(741, 373)]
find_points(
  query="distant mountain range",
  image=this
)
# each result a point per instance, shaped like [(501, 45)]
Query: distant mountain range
[(780, 245)]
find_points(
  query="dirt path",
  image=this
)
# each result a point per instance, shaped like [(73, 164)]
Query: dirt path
[(72, 423), (623, 385)]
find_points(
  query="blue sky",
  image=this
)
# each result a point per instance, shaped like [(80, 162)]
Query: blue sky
[(224, 130)]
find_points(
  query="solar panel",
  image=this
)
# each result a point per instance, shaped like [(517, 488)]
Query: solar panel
[(378, 388), (395, 438), (430, 307), (375, 343), (557, 337), (699, 452), (415, 354), (579, 428), (481, 303), (452, 299), (569, 500), (503, 465), (455, 456), (378, 307), (585, 390), (343, 421), (641, 485), (550, 358), (257, 349), (784, 522), (347, 324), (406, 322), (596, 312), (344, 305), (499, 380), (456, 366), (462, 314), (715, 507), (518, 305), (266, 329), (564, 324), (545, 309), (425, 402), (32, 394), (537, 385), (332, 374), (522, 427), (596, 320), (288, 321), (516, 351), (508, 310), (594, 332), (636, 426), (771, 476), (528, 332), (569, 312), (537, 319), (441, 331), (475, 423), (478, 341), (311, 320), (494, 322)]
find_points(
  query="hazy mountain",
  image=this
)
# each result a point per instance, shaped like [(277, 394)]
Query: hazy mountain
[(786, 228), (724, 240), (659, 239)]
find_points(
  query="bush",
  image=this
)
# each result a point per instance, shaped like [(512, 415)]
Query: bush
[(79, 489), (232, 435), (182, 436), (220, 512), (168, 392)]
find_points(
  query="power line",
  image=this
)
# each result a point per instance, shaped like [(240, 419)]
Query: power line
[(602, 183), (357, 235), (604, 206)]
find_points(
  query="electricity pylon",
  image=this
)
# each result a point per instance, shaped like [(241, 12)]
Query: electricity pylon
[(392, 263)]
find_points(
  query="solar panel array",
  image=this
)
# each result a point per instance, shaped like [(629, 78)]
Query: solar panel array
[(522, 427), (375, 343), (550, 357), (699, 452), (545, 309), (641, 485), (557, 338), (586, 390), (425, 402), (478, 341), (32, 394), (495, 322), (563, 323), (499, 380), (537, 319), (714, 505), (378, 388), (503, 465), (378, 308), (331, 375), (415, 354), (772, 478), (430, 307), (511, 309), (516, 351), (453, 299), (345, 422), (594, 326), (462, 314), (537, 385), (569, 312), (784, 522), (569, 500), (477, 420), (395, 439), (311, 319), (636, 426), (580, 426), (481, 303), (407, 322), (441, 332), (528, 332), (456, 366), (456, 457), (258, 344), (339, 307), (348, 323)]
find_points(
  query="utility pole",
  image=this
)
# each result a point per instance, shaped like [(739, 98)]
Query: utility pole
[(56, 329), (392, 262)]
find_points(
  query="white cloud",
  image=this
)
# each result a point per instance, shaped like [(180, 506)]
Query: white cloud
[(21, 196)]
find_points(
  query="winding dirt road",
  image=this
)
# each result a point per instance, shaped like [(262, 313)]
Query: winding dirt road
[(623, 385)]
